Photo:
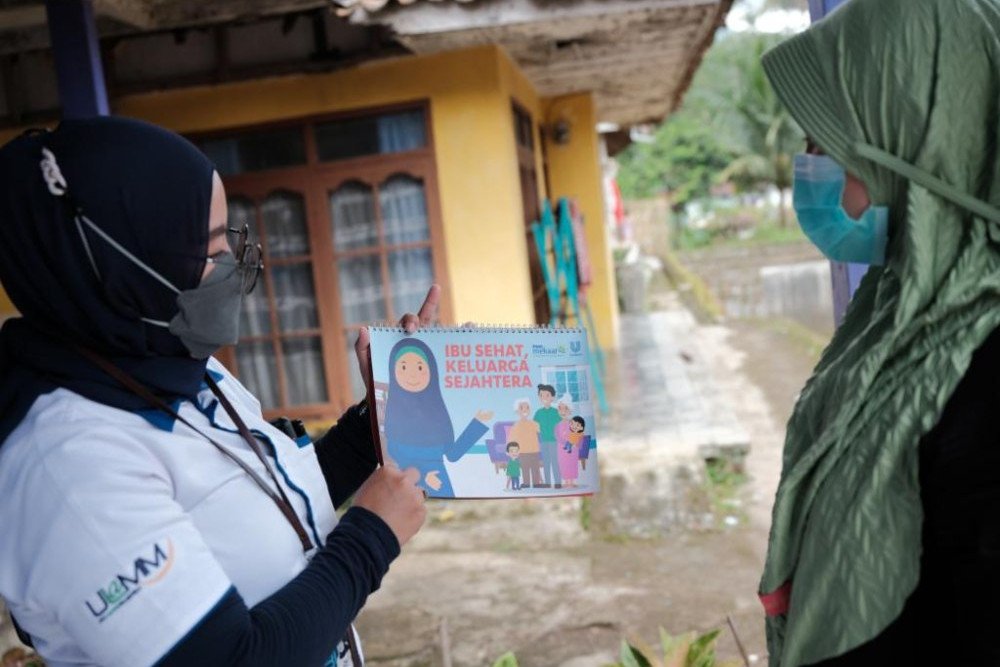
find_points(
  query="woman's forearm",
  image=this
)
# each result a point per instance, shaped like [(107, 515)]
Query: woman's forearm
[(302, 622), (346, 453)]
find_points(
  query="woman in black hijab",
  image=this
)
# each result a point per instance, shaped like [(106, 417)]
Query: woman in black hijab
[(113, 247)]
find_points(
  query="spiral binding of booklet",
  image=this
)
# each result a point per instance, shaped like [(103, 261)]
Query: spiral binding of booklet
[(478, 328)]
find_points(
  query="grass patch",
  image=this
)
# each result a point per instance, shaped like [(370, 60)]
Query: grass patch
[(739, 227), (616, 538), (801, 336), (506, 546), (694, 291), (723, 487), (770, 234)]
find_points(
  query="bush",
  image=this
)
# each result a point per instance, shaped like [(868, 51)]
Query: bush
[(18, 657), (688, 650), (739, 225)]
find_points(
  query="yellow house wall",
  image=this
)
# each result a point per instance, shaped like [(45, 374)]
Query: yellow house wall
[(575, 171), (6, 307), (517, 87), (479, 189)]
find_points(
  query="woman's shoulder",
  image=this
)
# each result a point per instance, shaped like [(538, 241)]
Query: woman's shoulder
[(64, 411), (67, 451), (65, 433)]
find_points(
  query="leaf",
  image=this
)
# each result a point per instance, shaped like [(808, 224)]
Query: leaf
[(677, 654), (633, 657), (506, 660), (702, 651), (666, 641)]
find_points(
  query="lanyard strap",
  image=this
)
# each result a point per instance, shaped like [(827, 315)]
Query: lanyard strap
[(279, 498), (284, 505)]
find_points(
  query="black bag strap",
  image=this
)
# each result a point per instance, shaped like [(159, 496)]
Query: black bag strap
[(22, 636)]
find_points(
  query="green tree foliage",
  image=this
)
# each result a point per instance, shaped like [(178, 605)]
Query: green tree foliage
[(762, 134), (684, 159), (731, 127)]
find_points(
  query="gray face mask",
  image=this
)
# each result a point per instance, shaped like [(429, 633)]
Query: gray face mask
[(209, 315)]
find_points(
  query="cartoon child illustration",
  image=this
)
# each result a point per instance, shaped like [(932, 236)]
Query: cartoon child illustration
[(525, 433), (418, 429), (577, 427), (547, 418), (568, 438), (513, 466)]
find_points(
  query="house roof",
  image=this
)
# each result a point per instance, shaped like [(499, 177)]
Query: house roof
[(349, 7), (636, 56)]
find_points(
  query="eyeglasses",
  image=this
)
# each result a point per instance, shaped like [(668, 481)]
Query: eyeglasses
[(248, 258)]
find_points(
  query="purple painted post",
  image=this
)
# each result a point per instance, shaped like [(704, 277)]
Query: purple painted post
[(77, 54), (845, 277), (820, 8)]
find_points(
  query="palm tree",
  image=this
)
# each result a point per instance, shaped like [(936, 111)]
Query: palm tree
[(762, 135)]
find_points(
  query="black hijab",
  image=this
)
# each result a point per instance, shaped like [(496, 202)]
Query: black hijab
[(147, 188)]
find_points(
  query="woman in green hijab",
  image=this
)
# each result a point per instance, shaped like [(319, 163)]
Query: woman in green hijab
[(885, 542)]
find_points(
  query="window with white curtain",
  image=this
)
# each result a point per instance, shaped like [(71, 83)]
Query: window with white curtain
[(361, 197), (383, 252), (280, 356), (572, 380)]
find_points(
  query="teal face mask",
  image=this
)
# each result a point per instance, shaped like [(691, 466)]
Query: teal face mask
[(817, 189)]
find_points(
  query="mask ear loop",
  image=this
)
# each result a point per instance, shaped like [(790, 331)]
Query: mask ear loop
[(58, 187), (86, 246), (56, 184)]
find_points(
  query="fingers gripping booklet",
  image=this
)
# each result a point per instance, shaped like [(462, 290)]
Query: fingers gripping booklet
[(486, 412)]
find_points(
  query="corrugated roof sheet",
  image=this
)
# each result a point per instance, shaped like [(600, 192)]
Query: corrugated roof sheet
[(348, 7), (636, 56)]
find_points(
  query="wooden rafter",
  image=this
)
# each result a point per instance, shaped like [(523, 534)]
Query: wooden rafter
[(175, 13), (134, 13), (20, 17)]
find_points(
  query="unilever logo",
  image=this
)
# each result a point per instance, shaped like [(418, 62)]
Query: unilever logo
[(539, 350), (123, 587)]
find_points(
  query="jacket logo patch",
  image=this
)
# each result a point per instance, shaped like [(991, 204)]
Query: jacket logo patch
[(123, 587)]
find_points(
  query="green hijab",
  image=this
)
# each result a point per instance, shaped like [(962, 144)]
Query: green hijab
[(906, 95)]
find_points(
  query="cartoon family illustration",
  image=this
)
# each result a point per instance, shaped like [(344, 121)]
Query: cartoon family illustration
[(546, 445), (542, 449)]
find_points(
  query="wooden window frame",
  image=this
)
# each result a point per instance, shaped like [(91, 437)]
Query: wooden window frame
[(314, 180), (527, 162), (257, 190)]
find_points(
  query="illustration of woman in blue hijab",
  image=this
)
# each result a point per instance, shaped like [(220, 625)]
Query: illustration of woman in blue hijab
[(418, 429)]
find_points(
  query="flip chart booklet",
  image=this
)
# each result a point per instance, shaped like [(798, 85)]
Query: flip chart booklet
[(486, 412)]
